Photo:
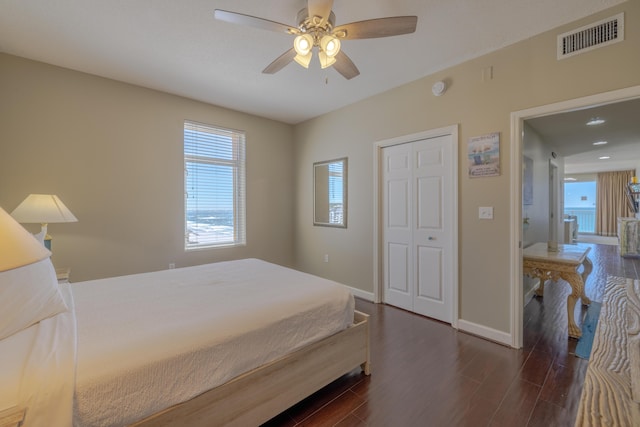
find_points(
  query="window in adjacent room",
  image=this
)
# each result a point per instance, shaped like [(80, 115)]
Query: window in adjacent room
[(214, 184), (580, 201)]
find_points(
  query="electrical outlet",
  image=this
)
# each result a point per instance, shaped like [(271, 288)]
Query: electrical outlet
[(326, 258), (485, 212), (172, 265)]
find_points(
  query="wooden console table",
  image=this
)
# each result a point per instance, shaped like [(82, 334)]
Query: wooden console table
[(12, 417), (540, 262)]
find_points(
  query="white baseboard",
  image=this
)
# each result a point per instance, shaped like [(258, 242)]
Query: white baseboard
[(463, 325), (485, 332), (530, 290), (362, 294)]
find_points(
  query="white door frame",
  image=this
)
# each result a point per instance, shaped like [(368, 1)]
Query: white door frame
[(517, 127), (377, 210), (555, 213)]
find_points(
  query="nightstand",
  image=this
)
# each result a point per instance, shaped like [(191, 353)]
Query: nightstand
[(12, 417), (63, 274)]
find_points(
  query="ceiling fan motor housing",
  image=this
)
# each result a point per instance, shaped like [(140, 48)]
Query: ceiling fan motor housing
[(307, 23)]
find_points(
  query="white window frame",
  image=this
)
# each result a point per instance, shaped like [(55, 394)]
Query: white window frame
[(207, 141)]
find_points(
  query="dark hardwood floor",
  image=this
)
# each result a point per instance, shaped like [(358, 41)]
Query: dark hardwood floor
[(424, 373)]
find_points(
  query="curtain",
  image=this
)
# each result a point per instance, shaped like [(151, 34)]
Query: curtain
[(611, 200)]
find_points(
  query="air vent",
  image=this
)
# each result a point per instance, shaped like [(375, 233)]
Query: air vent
[(592, 36)]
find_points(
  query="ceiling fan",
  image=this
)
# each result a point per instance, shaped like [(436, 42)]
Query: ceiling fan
[(316, 29)]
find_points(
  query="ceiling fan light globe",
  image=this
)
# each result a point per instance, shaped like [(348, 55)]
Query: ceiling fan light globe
[(330, 45), (303, 44), (303, 60), (326, 60)]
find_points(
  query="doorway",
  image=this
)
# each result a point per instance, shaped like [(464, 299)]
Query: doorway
[(517, 125), (415, 195)]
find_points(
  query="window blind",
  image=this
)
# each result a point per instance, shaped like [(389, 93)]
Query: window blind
[(214, 164)]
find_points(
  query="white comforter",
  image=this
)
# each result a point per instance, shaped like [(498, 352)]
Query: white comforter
[(146, 342), (149, 341)]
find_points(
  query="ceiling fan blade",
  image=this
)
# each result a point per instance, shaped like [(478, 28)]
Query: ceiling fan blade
[(345, 66), (280, 62), (252, 21), (375, 28), (321, 8)]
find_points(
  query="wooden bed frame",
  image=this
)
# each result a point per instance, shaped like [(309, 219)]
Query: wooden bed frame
[(261, 394)]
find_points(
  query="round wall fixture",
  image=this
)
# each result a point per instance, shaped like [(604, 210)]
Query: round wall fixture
[(438, 88)]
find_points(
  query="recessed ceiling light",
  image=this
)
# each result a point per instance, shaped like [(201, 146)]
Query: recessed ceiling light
[(595, 121), (600, 143), (604, 157)]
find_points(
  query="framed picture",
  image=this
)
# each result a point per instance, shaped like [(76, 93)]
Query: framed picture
[(484, 155)]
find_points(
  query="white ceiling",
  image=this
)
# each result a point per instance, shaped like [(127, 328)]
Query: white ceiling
[(573, 139), (179, 48)]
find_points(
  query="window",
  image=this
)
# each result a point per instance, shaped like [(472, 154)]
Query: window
[(580, 201), (214, 184)]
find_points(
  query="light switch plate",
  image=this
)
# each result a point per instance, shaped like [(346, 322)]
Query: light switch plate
[(485, 212)]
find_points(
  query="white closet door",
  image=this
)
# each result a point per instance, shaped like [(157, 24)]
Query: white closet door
[(397, 199), (418, 229)]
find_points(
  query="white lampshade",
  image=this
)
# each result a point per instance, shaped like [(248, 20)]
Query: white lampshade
[(303, 44), (330, 45), (304, 60), (18, 247), (326, 60), (43, 209)]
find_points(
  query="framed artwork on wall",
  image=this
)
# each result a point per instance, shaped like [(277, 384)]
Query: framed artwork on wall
[(484, 155)]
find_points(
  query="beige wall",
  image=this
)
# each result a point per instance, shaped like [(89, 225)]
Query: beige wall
[(525, 75), (113, 153)]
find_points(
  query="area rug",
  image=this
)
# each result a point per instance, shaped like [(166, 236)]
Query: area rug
[(606, 399), (589, 326)]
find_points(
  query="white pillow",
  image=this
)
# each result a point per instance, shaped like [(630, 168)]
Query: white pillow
[(28, 295), (40, 236)]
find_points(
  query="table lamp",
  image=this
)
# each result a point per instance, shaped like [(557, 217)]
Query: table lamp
[(43, 209), (18, 247)]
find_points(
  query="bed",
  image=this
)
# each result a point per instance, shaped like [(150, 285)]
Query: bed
[(230, 343)]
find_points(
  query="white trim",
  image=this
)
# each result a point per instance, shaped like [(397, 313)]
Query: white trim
[(485, 332), (377, 151), (377, 294), (367, 296), (517, 123)]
